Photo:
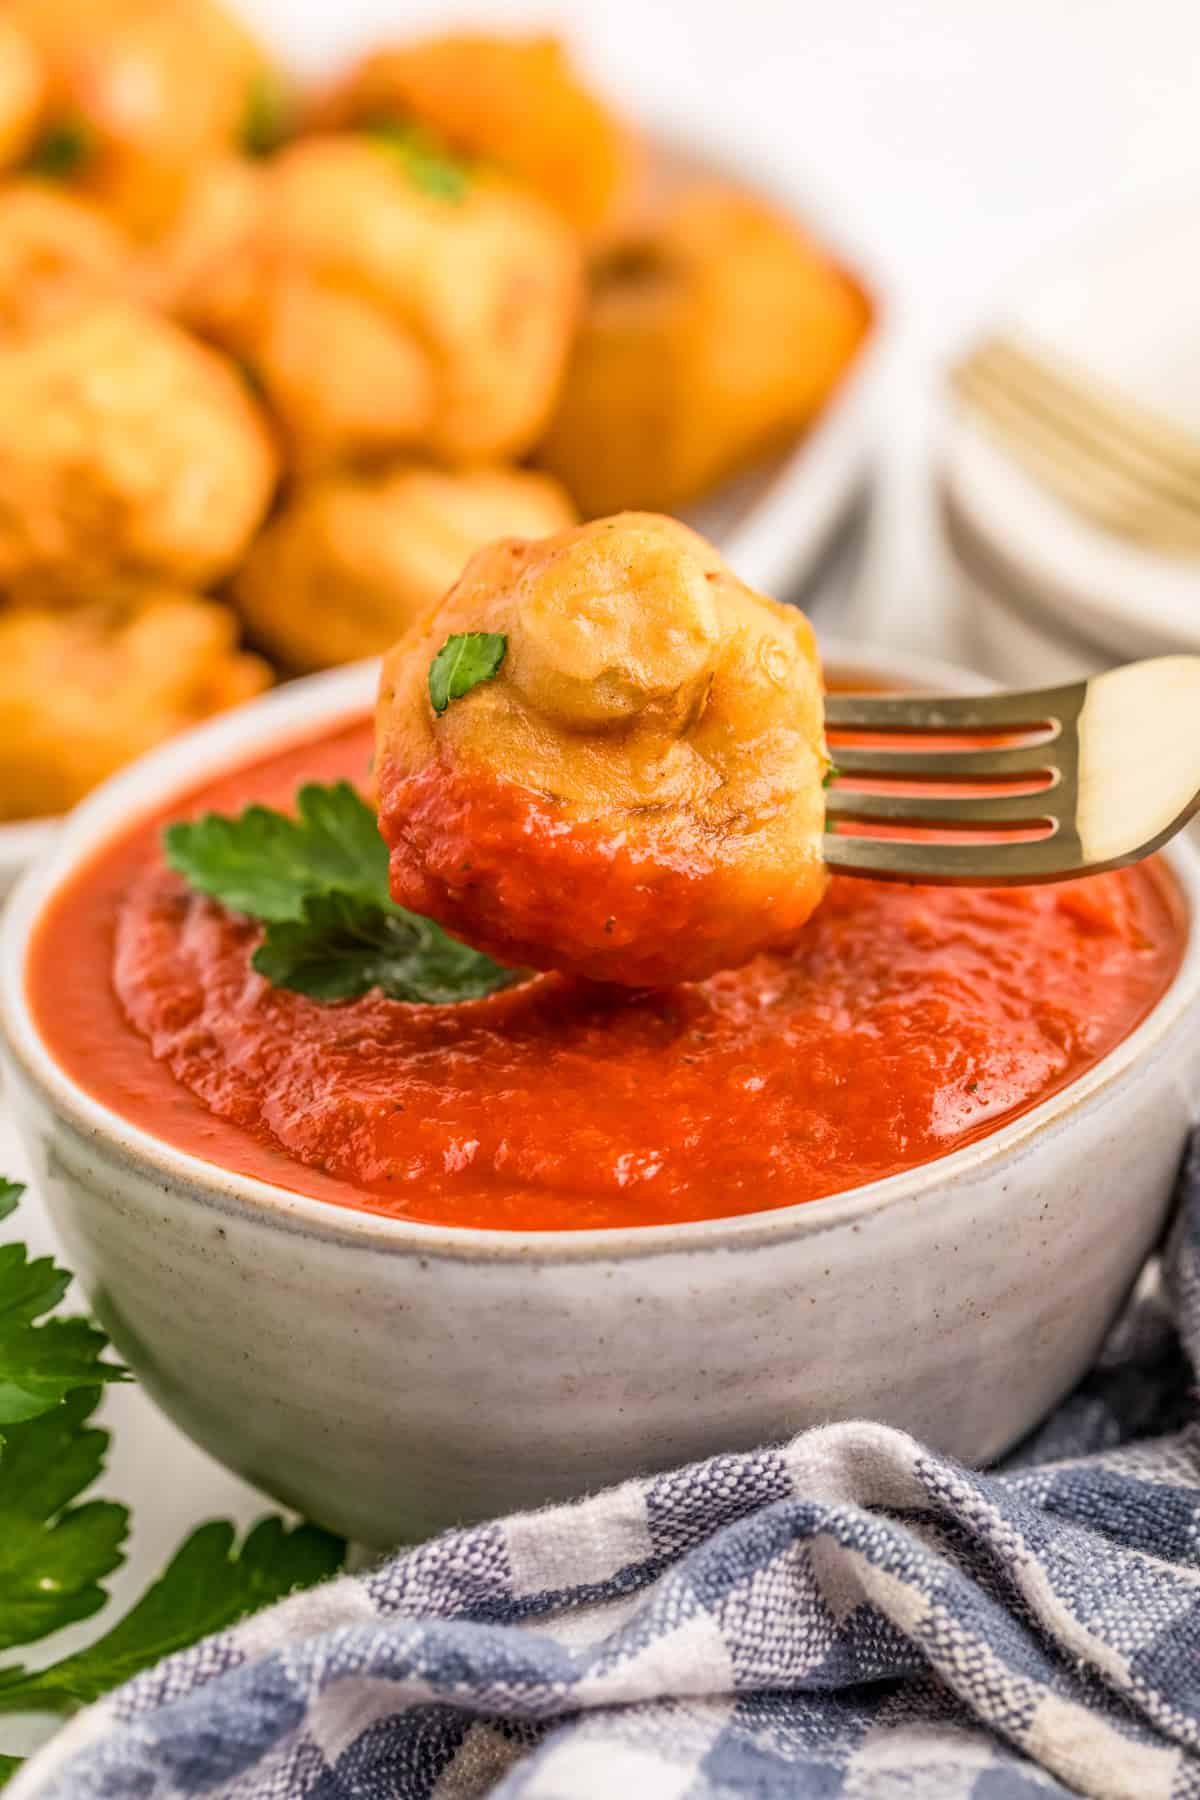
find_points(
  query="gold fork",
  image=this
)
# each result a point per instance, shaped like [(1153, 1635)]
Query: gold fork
[(1108, 457), (1033, 787)]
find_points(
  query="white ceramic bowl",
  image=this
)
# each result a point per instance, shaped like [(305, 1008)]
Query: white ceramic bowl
[(20, 844), (389, 1378)]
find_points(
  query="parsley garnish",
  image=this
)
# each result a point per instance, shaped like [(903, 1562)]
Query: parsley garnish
[(341, 949), (40, 1364), (318, 882), (830, 776), (268, 863), (427, 163), (210, 1583), (63, 149), (58, 1549), (266, 123), (463, 661)]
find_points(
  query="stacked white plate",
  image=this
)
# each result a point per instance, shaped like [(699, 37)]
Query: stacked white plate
[(1047, 595)]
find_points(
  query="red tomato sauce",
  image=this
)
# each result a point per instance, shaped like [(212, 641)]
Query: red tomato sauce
[(601, 907), (906, 1023)]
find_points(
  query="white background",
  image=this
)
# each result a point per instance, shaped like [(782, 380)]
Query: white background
[(959, 139)]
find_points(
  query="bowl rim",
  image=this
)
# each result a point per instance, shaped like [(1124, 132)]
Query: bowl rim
[(303, 708)]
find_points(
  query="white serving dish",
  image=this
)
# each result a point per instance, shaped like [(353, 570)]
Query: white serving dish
[(390, 1378), (774, 523), (1044, 589)]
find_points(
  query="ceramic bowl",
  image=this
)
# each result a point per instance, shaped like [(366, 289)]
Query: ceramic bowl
[(391, 1378)]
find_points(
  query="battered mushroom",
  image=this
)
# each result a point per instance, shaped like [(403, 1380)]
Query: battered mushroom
[(395, 302), (85, 691), (635, 795), (22, 91), (125, 449), (140, 93), (57, 252), (351, 561), (707, 342), (187, 269), (513, 100)]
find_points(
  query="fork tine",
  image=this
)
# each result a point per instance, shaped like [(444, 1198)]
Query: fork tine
[(1119, 417), (1086, 479), (942, 809), (1123, 767), (956, 865), (1006, 371), (944, 765), (954, 712)]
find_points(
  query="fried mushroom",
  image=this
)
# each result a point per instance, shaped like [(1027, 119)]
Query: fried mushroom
[(83, 692), (350, 561), (515, 101), (57, 253), (126, 450), (212, 233), (396, 303), (708, 340), (140, 93), (635, 796), (22, 91)]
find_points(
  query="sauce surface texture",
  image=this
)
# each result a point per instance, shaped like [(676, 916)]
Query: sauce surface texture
[(908, 1022)]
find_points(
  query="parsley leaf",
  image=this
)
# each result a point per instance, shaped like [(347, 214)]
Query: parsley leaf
[(342, 949), (464, 660), (56, 1550), (209, 1584), (428, 165), (319, 883), (64, 148), (268, 863), (53, 1555), (40, 1364), (266, 122)]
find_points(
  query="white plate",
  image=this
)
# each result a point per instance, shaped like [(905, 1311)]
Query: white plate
[(1121, 304), (775, 522)]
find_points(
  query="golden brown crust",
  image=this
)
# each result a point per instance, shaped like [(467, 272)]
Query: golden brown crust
[(707, 341), (350, 561), (58, 252), (182, 272), (158, 87), (83, 692), (654, 735), (126, 449), (22, 90), (384, 316), (515, 101)]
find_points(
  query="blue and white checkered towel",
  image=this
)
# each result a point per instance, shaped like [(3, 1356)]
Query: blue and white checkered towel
[(848, 1616)]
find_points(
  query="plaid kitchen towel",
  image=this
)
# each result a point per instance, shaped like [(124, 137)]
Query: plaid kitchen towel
[(849, 1615)]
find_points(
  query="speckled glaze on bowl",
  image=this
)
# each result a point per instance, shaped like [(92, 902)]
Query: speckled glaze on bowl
[(391, 1378)]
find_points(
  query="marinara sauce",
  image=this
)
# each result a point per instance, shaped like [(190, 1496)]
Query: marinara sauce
[(908, 1022)]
